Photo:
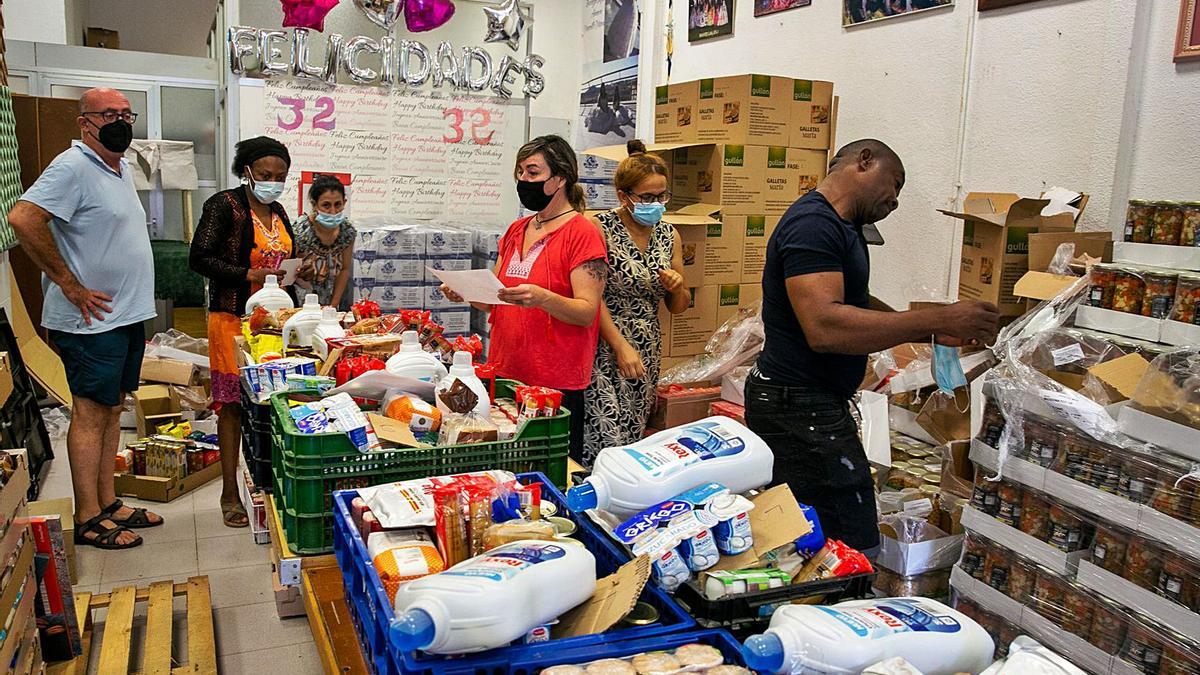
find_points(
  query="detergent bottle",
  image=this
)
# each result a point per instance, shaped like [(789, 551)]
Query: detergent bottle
[(463, 369), (493, 599), (627, 479), (329, 328), (850, 636), (270, 297), (298, 330), (413, 361)]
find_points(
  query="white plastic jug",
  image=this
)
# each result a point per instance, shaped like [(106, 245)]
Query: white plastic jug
[(848, 637), (489, 601), (330, 328), (413, 361), (627, 479), (463, 369), (270, 297), (298, 330)]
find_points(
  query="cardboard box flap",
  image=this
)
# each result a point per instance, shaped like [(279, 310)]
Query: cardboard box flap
[(1043, 246), (615, 596), (1042, 285), (394, 431), (616, 153), (980, 203), (1122, 374), (6, 378), (1028, 213), (694, 214), (1001, 209), (775, 521), (43, 363), (169, 371)]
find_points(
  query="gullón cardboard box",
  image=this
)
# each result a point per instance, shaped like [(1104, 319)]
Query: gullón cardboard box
[(812, 115), (995, 248), (675, 114), (695, 224), (745, 179), (745, 110), (688, 333), (756, 232)]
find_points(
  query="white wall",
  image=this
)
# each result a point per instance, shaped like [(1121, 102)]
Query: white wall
[(36, 21), (160, 26), (1077, 93)]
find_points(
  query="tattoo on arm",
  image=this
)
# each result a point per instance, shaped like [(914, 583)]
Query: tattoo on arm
[(598, 269)]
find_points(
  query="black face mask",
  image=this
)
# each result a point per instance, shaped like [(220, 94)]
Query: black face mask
[(116, 136), (533, 194)]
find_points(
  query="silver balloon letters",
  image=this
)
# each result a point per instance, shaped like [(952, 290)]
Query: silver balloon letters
[(270, 54), (354, 47)]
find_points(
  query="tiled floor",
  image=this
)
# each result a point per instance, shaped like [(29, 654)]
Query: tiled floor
[(251, 638)]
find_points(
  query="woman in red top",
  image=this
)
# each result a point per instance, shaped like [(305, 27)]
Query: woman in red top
[(554, 265)]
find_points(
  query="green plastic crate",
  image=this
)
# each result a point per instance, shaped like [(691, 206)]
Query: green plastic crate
[(309, 467)]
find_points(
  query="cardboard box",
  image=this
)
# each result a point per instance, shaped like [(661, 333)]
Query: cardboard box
[(155, 405), (745, 110), (756, 233), (813, 115), (939, 552), (687, 334), (170, 371), (102, 38), (6, 378), (676, 118), (64, 508), (694, 224), (745, 179), (158, 489), (1043, 246), (995, 249), (776, 520), (677, 407), (1037, 287)]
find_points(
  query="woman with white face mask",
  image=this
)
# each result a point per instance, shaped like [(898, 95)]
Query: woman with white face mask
[(325, 241), (243, 236), (645, 269)]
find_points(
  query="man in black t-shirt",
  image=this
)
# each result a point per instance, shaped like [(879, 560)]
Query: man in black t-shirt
[(821, 323)]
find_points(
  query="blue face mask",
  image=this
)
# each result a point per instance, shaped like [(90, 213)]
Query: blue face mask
[(331, 220), (947, 369), (266, 192), (649, 214)]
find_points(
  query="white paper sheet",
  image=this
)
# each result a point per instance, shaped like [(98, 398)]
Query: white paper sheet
[(290, 267), (374, 385), (479, 286)]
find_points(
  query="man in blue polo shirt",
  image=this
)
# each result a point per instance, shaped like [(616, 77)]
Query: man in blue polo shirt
[(83, 225), (821, 322)]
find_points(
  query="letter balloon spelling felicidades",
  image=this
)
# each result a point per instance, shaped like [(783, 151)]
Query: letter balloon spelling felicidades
[(416, 78), (505, 76), (240, 48), (447, 67), (301, 67), (350, 54), (272, 61), (484, 59), (387, 74), (535, 83)]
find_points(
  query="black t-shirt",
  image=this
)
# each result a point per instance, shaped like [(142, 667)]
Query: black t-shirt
[(811, 238)]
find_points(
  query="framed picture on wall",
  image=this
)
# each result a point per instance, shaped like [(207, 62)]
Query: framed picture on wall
[(765, 7), (855, 12), (708, 19), (985, 5), (1187, 41)]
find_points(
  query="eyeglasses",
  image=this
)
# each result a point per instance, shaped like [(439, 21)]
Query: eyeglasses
[(110, 116), (651, 199)]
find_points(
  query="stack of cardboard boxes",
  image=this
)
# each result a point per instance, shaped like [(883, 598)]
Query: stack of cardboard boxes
[(741, 150)]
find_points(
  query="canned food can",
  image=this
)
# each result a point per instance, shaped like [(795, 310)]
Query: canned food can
[(1103, 278), (1160, 294), (1191, 224), (1129, 289), (1187, 295)]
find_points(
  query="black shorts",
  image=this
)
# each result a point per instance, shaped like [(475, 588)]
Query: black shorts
[(103, 367), (819, 455)]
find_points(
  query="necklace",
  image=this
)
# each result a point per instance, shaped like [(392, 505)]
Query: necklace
[(538, 222)]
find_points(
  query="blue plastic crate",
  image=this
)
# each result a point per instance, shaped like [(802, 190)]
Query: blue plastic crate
[(535, 661), (373, 612)]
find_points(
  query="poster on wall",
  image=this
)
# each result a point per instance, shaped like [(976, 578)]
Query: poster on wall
[(708, 19), (414, 155), (855, 12), (622, 29), (765, 7), (607, 104), (1187, 39)]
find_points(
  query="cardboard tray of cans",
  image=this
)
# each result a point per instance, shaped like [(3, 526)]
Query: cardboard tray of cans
[(1062, 562)]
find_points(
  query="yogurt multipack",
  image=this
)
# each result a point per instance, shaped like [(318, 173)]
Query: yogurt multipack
[(689, 532)]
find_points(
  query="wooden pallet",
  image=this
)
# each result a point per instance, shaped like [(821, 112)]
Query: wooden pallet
[(330, 621), (157, 654)]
